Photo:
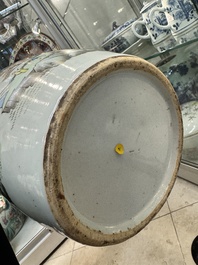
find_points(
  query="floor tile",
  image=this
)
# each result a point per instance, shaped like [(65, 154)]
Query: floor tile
[(61, 260), (186, 224), (183, 194), (78, 245), (156, 244), (163, 211), (64, 248)]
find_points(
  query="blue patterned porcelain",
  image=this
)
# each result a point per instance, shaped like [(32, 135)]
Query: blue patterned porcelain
[(181, 69), (165, 44), (187, 34), (121, 37), (157, 35), (181, 16), (118, 29)]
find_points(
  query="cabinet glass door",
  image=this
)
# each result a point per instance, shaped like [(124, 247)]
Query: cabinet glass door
[(87, 23)]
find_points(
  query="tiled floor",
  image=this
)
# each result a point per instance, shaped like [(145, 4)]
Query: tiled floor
[(166, 240)]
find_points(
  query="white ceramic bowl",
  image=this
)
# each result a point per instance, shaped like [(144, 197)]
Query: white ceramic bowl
[(190, 121), (122, 37)]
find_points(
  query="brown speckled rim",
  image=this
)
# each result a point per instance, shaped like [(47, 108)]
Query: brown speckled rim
[(60, 208)]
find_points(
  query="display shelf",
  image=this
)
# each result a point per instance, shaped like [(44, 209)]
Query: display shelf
[(35, 242), (9, 10), (167, 52), (188, 171), (29, 230)]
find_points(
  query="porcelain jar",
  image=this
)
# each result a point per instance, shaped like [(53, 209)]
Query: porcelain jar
[(122, 37), (182, 18), (160, 38), (91, 142)]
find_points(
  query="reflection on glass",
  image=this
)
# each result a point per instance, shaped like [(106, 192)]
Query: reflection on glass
[(17, 19), (91, 21), (181, 68), (190, 121)]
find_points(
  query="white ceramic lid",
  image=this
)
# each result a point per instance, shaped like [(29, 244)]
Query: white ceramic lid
[(190, 118), (148, 5), (117, 32)]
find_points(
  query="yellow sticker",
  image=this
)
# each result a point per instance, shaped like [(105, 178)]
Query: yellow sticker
[(119, 149), (23, 70)]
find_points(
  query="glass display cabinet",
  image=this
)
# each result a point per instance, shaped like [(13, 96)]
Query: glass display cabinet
[(85, 24)]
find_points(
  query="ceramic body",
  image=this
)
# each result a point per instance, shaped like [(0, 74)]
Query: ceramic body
[(187, 34), (159, 37), (182, 18), (63, 116), (190, 120), (121, 38), (11, 218)]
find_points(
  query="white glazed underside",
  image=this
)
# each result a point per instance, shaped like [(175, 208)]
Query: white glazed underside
[(110, 192)]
